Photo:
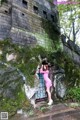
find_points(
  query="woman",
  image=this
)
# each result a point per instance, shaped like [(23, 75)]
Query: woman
[(44, 70)]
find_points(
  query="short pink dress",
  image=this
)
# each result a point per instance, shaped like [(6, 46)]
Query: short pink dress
[(46, 78)]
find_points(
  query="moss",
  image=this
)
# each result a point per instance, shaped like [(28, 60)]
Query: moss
[(52, 32), (49, 39), (44, 41), (72, 71), (73, 94), (3, 1), (27, 60), (11, 105)]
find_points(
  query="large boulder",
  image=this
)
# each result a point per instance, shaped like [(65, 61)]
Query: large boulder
[(11, 83)]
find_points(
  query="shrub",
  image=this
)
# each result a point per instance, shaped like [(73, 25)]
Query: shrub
[(74, 94)]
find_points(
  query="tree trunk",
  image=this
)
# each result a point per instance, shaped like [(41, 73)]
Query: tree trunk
[(74, 37)]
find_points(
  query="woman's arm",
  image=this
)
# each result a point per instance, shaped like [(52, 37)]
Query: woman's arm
[(43, 71)]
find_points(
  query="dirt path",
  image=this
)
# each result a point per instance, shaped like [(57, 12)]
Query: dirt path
[(54, 112)]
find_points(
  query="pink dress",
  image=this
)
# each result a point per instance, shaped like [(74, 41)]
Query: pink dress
[(46, 78)]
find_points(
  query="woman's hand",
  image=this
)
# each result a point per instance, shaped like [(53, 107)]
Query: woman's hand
[(41, 66)]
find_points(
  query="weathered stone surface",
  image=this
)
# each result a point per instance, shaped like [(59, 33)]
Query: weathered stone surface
[(22, 37), (72, 49), (71, 44), (63, 38), (73, 55), (77, 49), (5, 26), (20, 19), (27, 16), (5, 21), (10, 79)]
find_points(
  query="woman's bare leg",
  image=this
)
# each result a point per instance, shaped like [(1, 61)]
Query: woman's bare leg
[(49, 94)]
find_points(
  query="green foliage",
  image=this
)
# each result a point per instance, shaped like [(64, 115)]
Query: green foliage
[(50, 1), (74, 94), (72, 74), (3, 1), (72, 71), (25, 64), (11, 105), (27, 58), (52, 34), (69, 13), (27, 61), (50, 30)]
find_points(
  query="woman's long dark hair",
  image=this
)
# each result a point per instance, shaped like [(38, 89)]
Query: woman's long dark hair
[(44, 62)]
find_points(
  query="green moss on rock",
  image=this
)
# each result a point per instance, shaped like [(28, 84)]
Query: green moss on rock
[(26, 61)]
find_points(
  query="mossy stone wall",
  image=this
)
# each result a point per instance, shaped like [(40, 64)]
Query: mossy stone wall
[(23, 20)]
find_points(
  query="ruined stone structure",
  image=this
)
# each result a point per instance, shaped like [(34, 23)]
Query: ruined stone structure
[(21, 19), (71, 49)]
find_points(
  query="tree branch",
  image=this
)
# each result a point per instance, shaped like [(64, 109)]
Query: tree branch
[(77, 31), (70, 32)]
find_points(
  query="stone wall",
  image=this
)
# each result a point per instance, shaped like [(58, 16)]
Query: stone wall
[(5, 21), (30, 18), (22, 37), (73, 55), (19, 18), (71, 49), (5, 26)]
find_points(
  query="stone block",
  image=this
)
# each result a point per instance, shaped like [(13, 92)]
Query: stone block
[(22, 37)]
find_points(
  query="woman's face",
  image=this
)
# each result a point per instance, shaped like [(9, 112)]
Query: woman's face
[(45, 67)]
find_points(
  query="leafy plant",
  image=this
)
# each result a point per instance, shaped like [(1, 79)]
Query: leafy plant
[(74, 94)]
